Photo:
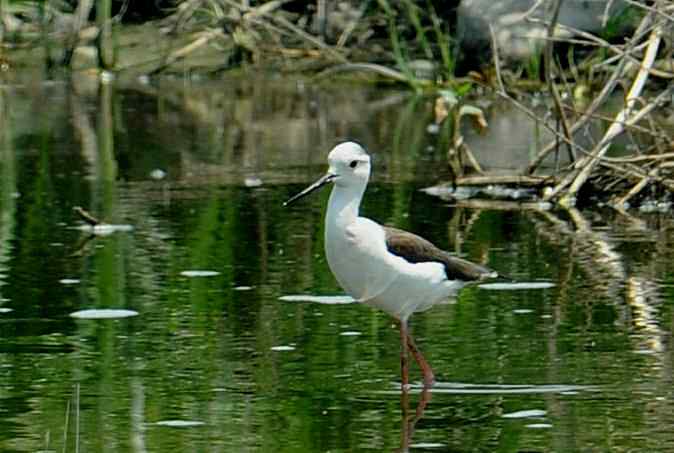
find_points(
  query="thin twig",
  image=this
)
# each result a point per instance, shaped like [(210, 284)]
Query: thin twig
[(638, 187), (551, 85), (471, 157), (656, 10), (263, 11), (504, 94), (351, 27)]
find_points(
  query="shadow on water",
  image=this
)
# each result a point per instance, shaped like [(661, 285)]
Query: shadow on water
[(214, 359)]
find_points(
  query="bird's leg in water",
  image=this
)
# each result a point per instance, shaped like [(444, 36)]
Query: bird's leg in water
[(429, 378), (404, 365)]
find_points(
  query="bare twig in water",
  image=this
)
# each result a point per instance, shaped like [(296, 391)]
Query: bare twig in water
[(86, 216)]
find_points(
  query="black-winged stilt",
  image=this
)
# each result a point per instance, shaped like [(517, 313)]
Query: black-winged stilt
[(391, 269)]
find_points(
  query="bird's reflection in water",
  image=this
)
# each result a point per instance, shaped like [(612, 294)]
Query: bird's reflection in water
[(409, 419)]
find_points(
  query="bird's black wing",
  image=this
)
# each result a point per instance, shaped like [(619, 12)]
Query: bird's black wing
[(416, 249)]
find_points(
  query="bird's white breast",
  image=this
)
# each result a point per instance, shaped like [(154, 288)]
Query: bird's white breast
[(356, 254), (359, 259)]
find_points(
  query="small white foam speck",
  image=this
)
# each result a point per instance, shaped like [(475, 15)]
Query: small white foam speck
[(350, 333), (199, 273), (282, 348)]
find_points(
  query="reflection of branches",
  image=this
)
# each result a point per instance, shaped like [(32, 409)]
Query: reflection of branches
[(81, 248), (591, 249), (84, 130), (644, 298), (7, 186), (605, 270)]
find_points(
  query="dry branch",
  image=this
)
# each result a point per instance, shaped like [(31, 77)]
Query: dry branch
[(203, 39), (623, 116), (598, 101), (524, 181), (619, 179)]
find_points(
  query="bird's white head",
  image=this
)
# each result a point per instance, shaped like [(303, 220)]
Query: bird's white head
[(350, 164), (349, 168)]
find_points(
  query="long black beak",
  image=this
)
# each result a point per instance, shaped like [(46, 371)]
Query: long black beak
[(327, 178)]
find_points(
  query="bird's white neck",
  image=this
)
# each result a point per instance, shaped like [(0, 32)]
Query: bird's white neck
[(343, 205)]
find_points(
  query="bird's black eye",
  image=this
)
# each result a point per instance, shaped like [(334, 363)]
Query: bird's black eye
[(353, 164)]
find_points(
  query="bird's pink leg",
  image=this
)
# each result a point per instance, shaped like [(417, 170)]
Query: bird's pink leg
[(404, 365), (429, 377)]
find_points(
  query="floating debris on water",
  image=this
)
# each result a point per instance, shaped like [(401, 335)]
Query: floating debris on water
[(180, 423), (522, 311), (157, 174), (531, 413), (252, 181), (199, 273), (516, 286), (457, 388), (491, 192), (5, 310), (242, 288), (539, 426), (69, 281), (328, 300), (104, 313), (105, 229), (428, 445), (350, 333), (282, 348)]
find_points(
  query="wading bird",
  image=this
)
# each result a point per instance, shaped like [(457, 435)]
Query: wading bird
[(387, 268)]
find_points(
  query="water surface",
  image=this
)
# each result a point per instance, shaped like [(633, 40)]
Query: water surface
[(241, 340)]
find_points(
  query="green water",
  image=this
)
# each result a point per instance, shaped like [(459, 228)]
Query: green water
[(220, 363)]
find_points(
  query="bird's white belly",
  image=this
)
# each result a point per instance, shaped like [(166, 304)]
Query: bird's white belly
[(361, 263)]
